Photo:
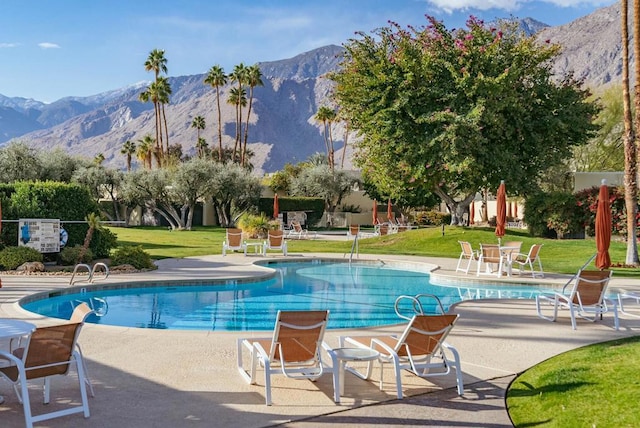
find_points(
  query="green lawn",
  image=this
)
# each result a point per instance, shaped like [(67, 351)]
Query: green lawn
[(563, 256)]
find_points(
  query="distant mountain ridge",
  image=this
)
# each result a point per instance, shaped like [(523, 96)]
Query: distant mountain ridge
[(283, 128)]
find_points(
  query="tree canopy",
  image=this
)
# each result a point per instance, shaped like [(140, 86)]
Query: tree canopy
[(451, 112)]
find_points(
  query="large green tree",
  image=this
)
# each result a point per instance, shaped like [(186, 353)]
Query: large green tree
[(322, 181), (455, 111)]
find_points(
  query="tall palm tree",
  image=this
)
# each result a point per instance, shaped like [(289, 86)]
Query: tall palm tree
[(239, 75), (164, 95), (128, 149), (630, 148), (199, 124), (254, 78), (151, 95), (157, 62), (237, 97), (216, 78), (201, 148), (327, 115)]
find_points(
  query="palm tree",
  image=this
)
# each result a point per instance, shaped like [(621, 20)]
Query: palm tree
[(202, 147), (128, 149), (254, 78), (156, 62), (198, 123), (217, 78), (158, 94), (145, 150), (93, 220), (98, 159), (239, 75), (164, 94), (237, 97), (630, 149), (151, 94), (327, 115)]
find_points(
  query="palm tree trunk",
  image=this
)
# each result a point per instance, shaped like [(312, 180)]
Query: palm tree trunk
[(219, 124), (344, 148), (630, 148), (166, 129), (158, 132), (246, 128)]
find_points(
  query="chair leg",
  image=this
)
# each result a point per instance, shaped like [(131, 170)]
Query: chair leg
[(267, 382), (398, 373)]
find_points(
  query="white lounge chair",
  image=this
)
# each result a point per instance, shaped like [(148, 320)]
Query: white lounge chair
[(275, 241), (467, 253), (297, 231), (293, 350), (421, 349), (584, 296), (233, 242)]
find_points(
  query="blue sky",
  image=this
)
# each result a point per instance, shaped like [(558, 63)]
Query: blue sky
[(52, 49)]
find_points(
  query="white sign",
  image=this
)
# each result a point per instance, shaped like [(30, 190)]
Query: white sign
[(41, 234)]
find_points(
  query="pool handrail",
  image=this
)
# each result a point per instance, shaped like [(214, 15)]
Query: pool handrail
[(416, 305), (90, 270)]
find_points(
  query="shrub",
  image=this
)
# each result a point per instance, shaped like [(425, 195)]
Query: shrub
[(256, 226), (103, 242), (12, 257), (69, 255), (433, 218), (132, 255)]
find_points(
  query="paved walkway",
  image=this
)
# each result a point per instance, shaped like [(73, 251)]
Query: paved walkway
[(167, 378)]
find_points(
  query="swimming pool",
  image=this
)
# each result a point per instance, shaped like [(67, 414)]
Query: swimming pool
[(357, 295)]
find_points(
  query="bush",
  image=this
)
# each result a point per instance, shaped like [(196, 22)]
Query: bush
[(12, 257), (102, 242), (69, 255), (257, 226), (432, 218), (132, 255)]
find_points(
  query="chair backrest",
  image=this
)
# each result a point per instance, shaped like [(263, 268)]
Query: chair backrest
[(354, 229), (296, 226), (534, 251), (298, 335), (80, 313), (234, 237), (424, 334), (384, 229), (490, 253), (590, 287), (48, 346), (276, 238), (467, 250), (514, 246)]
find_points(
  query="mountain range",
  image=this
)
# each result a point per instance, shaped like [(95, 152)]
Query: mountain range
[(282, 126)]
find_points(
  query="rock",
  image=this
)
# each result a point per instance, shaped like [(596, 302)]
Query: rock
[(30, 267)]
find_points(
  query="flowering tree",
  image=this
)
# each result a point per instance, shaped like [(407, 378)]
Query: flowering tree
[(453, 112)]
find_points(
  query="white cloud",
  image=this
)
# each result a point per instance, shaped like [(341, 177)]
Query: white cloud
[(47, 45), (450, 6), (9, 45)]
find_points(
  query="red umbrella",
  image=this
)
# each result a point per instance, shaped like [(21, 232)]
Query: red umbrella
[(276, 206), (375, 212), (501, 213), (603, 228), (389, 211), (472, 213), (515, 209), (509, 212)]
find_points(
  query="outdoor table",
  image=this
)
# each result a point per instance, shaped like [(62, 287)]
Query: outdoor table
[(11, 329), (343, 355), (257, 247), (507, 254)]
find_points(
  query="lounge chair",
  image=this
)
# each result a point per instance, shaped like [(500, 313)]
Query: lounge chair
[(297, 231), (233, 242), (468, 254), (382, 229), (293, 350), (50, 351), (490, 257), (354, 231), (583, 295), (421, 349), (275, 241), (529, 260), (79, 315)]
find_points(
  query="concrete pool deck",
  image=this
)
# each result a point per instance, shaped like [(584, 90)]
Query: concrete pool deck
[(167, 378)]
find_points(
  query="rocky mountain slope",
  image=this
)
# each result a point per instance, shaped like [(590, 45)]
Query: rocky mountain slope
[(282, 128)]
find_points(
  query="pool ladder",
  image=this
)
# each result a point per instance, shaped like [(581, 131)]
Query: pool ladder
[(416, 305), (354, 249), (91, 272)]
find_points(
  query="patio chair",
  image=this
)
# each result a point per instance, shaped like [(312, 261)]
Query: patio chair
[(468, 254), (233, 241), (293, 350), (583, 295), (354, 231), (529, 260), (275, 241), (297, 231), (421, 349), (79, 315), (490, 257), (49, 352)]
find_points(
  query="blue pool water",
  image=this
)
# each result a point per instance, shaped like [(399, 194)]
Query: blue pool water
[(357, 295)]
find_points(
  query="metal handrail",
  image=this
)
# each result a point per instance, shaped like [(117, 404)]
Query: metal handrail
[(354, 247), (91, 271)]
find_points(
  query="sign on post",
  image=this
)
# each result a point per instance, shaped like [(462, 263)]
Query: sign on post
[(41, 234)]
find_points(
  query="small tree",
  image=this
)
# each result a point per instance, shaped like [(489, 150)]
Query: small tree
[(93, 221)]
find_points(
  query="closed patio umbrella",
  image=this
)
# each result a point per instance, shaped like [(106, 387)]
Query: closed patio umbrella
[(603, 228), (472, 213), (389, 210), (501, 213), (276, 206), (509, 212), (515, 209), (375, 212)]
